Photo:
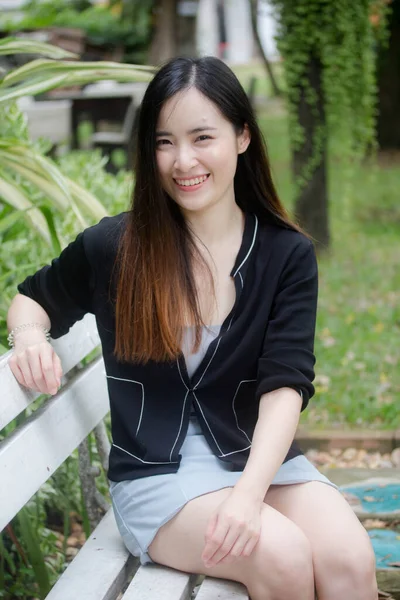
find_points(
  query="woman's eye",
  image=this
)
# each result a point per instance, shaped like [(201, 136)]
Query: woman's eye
[(162, 142), (202, 138)]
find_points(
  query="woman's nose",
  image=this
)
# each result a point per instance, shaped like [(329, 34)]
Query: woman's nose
[(185, 160)]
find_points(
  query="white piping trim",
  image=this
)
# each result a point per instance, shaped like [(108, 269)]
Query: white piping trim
[(142, 408), (198, 403), (209, 363), (230, 323), (250, 249), (179, 369), (233, 405), (180, 426), (241, 279), (235, 451), (147, 462)]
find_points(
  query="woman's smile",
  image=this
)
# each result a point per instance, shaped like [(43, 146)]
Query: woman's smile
[(193, 184)]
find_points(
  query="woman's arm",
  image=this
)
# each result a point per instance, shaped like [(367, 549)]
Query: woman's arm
[(285, 365), (277, 422), (34, 363), (234, 529), (25, 310)]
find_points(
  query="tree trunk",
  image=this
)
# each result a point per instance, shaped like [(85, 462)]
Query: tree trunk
[(164, 42), (311, 206), (267, 64), (389, 85)]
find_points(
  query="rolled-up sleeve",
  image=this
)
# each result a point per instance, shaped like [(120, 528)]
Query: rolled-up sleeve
[(287, 358), (64, 288)]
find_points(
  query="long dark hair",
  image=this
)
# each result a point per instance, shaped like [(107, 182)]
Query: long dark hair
[(155, 283)]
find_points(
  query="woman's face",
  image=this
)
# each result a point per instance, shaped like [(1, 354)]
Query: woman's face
[(197, 151)]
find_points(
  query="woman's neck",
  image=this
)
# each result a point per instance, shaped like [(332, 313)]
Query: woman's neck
[(217, 225)]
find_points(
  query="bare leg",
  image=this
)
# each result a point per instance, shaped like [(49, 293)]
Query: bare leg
[(343, 558), (279, 567)]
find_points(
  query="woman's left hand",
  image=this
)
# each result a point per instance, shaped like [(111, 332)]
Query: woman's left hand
[(233, 530)]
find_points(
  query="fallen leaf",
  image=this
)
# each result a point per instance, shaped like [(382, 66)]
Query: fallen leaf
[(374, 524), (384, 557), (384, 596)]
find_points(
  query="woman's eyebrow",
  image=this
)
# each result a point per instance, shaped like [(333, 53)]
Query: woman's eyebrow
[(196, 130)]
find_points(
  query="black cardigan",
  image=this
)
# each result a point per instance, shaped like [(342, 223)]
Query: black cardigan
[(265, 343)]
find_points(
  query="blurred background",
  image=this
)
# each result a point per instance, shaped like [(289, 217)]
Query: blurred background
[(324, 79)]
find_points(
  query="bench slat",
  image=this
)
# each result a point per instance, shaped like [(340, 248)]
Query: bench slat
[(222, 589), (71, 348), (153, 582), (100, 569), (40, 445)]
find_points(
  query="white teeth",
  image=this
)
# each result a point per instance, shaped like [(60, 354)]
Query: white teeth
[(189, 182)]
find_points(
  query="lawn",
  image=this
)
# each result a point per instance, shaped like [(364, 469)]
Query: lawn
[(358, 327)]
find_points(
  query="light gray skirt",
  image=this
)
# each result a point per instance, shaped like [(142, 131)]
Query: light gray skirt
[(142, 506)]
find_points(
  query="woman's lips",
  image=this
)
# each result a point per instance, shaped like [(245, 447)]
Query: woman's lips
[(191, 188)]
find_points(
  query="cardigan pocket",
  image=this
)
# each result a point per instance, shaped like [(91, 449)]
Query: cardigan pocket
[(129, 401)]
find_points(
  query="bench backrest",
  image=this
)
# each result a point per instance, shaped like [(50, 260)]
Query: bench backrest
[(39, 445)]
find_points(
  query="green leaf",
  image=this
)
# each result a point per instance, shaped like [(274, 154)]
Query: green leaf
[(31, 88), (52, 191), (32, 545), (43, 173), (10, 220), (48, 215), (5, 555), (51, 67), (12, 45), (13, 196)]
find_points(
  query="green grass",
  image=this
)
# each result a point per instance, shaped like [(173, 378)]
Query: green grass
[(358, 326)]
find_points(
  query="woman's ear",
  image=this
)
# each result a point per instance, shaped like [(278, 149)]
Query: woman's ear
[(244, 139)]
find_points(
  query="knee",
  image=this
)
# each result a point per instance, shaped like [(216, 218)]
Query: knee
[(360, 566), (355, 567), (287, 571)]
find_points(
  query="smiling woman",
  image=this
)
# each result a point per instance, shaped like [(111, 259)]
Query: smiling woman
[(205, 296), (197, 149)]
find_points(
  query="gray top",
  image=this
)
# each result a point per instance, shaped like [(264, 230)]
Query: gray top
[(209, 333)]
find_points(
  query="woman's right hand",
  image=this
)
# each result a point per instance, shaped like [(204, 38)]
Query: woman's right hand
[(35, 364)]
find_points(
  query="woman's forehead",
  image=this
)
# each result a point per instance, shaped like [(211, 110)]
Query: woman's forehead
[(188, 110)]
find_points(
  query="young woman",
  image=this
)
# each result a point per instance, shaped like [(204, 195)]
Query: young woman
[(205, 297)]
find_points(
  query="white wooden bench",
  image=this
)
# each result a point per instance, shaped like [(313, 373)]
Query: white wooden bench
[(103, 569)]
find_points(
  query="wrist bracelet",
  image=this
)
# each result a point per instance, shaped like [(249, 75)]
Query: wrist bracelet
[(23, 327)]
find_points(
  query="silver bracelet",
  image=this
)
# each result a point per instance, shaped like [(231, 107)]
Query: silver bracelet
[(23, 327)]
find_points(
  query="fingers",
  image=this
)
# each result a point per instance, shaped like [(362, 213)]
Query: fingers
[(57, 367), (243, 547), (23, 361), (225, 548), (38, 368), (251, 544), (15, 369), (215, 536), (226, 541), (48, 369)]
